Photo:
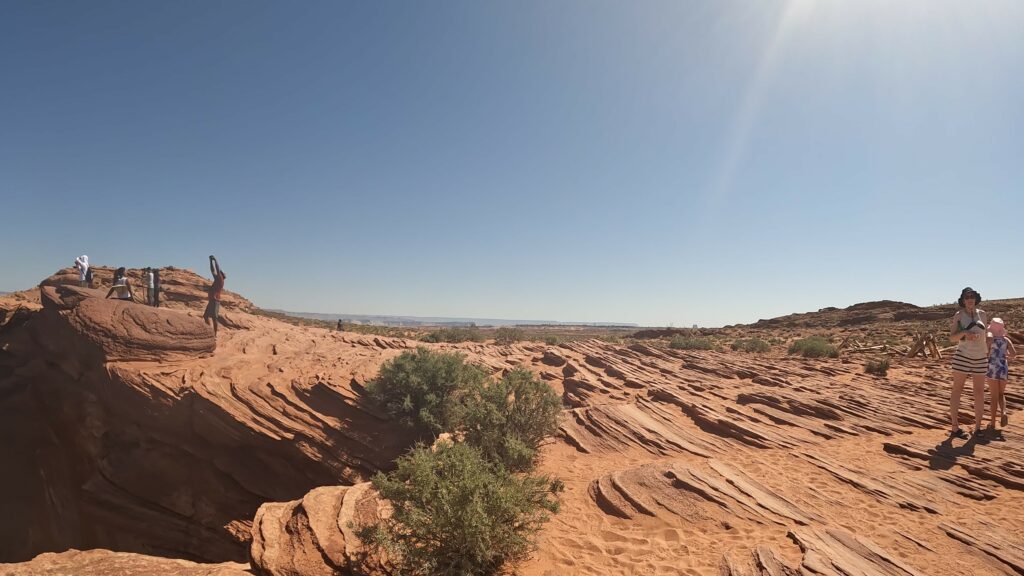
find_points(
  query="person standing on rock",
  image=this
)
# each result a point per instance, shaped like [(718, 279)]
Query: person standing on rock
[(213, 306), (970, 359), (121, 288), (156, 287), (82, 265), (148, 278)]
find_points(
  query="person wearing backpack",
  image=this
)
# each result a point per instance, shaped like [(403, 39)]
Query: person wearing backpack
[(84, 272)]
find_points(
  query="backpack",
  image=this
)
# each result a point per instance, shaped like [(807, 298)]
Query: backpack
[(88, 275)]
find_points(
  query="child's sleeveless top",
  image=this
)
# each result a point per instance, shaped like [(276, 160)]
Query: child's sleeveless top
[(998, 368)]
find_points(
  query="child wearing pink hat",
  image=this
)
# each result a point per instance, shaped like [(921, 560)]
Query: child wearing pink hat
[(1000, 349)]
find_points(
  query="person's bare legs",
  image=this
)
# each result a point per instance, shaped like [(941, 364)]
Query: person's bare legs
[(1002, 405), (996, 388), (979, 400), (954, 400)]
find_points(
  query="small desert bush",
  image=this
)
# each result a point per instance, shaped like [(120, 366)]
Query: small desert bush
[(751, 345), (454, 335), (877, 367), (458, 514), (691, 343), (813, 347), (508, 419), (552, 340), (419, 388), (508, 335)]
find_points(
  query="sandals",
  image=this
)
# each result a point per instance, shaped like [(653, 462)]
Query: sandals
[(958, 433), (1004, 420)]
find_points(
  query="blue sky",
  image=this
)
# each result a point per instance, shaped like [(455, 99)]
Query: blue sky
[(652, 162)]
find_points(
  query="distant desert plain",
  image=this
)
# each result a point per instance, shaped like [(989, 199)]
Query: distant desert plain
[(134, 442)]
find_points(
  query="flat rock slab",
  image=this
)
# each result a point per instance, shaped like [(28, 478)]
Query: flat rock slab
[(106, 563)]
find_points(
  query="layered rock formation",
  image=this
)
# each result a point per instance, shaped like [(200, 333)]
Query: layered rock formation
[(133, 431), (128, 427)]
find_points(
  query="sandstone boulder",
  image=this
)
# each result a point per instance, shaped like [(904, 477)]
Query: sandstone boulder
[(315, 536), (127, 330)]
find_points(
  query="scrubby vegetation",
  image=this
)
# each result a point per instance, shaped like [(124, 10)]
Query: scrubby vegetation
[(751, 345), (813, 347), (420, 388), (456, 513), (376, 330), (681, 342), (508, 335), (552, 340), (454, 335), (472, 506), (508, 419), (878, 367)]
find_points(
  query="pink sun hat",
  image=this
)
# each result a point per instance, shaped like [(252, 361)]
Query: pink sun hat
[(996, 328)]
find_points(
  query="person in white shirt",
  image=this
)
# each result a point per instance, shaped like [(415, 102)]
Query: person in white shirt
[(82, 265), (150, 292)]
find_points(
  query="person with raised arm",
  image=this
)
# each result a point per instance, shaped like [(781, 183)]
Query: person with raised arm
[(216, 290)]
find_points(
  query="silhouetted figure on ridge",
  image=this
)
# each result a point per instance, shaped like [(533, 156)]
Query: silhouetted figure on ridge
[(213, 306)]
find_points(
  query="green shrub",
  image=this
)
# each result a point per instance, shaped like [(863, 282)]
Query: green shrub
[(681, 342), (419, 388), (751, 345), (508, 419), (508, 335), (375, 330), (552, 340), (457, 514), (813, 347), (454, 335), (877, 367)]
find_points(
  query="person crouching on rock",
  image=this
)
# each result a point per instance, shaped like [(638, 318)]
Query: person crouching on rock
[(971, 358), (213, 306), (122, 289), (1000, 349)]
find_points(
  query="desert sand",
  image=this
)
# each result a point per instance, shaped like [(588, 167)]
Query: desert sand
[(129, 428)]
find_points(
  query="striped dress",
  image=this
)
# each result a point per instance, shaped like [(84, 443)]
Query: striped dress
[(971, 356)]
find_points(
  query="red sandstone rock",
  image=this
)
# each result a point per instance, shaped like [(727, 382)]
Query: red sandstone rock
[(101, 562), (129, 331), (674, 461), (315, 535)]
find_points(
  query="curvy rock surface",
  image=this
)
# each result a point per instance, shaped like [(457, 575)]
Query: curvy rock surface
[(316, 534), (124, 331), (125, 429), (675, 462), (101, 562)]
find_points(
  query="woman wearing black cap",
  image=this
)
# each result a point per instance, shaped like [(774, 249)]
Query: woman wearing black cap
[(970, 359)]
